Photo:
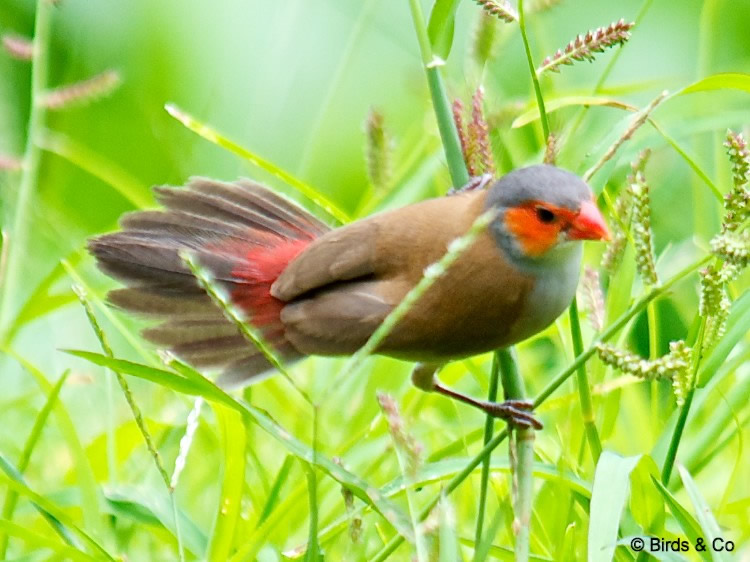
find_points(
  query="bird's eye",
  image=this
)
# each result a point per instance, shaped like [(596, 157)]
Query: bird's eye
[(545, 215)]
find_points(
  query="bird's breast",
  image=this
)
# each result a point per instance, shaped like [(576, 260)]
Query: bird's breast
[(551, 293)]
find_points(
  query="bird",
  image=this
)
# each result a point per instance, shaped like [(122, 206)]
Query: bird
[(310, 289)]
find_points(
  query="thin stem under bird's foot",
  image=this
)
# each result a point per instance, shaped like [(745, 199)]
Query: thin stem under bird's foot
[(474, 183)]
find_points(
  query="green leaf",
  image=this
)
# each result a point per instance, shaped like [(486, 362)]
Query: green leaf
[(447, 534), (706, 519), (234, 440), (12, 472), (46, 506), (646, 504), (210, 391), (313, 553), (146, 508), (436, 472), (36, 540), (11, 498), (41, 302), (611, 484), (559, 103), (738, 326), (159, 376), (441, 26), (687, 522), (502, 553), (722, 81), (273, 495), (84, 474)]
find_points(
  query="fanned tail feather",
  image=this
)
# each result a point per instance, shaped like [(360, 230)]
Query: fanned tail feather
[(244, 234)]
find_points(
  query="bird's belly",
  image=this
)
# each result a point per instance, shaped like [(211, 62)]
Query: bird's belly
[(469, 319)]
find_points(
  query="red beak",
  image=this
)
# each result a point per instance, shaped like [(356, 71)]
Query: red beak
[(588, 224)]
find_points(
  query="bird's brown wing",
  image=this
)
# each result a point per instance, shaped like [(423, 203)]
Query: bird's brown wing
[(338, 320), (340, 255), (342, 286), (335, 299)]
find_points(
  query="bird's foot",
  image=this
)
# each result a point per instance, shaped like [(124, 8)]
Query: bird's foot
[(475, 182), (515, 412)]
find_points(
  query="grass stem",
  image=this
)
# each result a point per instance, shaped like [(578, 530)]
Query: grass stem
[(532, 71), (18, 249), (513, 388), (584, 391), (489, 427), (446, 126), (679, 428)]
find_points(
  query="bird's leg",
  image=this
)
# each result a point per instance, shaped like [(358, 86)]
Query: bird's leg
[(475, 182), (514, 412)]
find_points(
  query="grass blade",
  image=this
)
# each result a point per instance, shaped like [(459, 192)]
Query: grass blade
[(441, 26), (552, 105), (273, 496), (210, 391), (11, 497), (687, 522), (706, 519), (85, 475), (158, 376), (722, 81), (49, 510), (489, 428), (447, 534), (21, 221), (313, 553), (211, 135), (608, 498), (144, 508), (446, 125), (234, 441), (64, 552), (13, 473)]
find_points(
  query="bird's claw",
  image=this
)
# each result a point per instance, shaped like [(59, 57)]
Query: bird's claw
[(515, 413), (475, 182)]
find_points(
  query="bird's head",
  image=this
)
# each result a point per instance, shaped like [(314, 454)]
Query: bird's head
[(541, 211)]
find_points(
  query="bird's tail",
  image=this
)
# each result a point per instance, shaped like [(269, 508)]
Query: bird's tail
[(244, 234)]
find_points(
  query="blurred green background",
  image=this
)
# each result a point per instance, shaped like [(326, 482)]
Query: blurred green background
[(293, 81)]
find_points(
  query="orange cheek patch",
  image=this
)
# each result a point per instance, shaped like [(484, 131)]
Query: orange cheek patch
[(535, 237)]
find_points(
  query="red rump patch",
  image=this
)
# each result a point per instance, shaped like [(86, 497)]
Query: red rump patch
[(261, 265)]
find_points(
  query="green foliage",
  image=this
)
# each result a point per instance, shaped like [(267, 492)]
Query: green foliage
[(278, 474)]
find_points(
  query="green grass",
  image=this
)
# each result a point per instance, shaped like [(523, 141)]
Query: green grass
[(283, 471)]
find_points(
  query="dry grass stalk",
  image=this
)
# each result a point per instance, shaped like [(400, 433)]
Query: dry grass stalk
[(82, 92), (500, 9), (18, 47), (583, 47)]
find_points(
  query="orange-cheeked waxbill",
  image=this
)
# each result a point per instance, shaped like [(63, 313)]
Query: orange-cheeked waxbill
[(313, 290)]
